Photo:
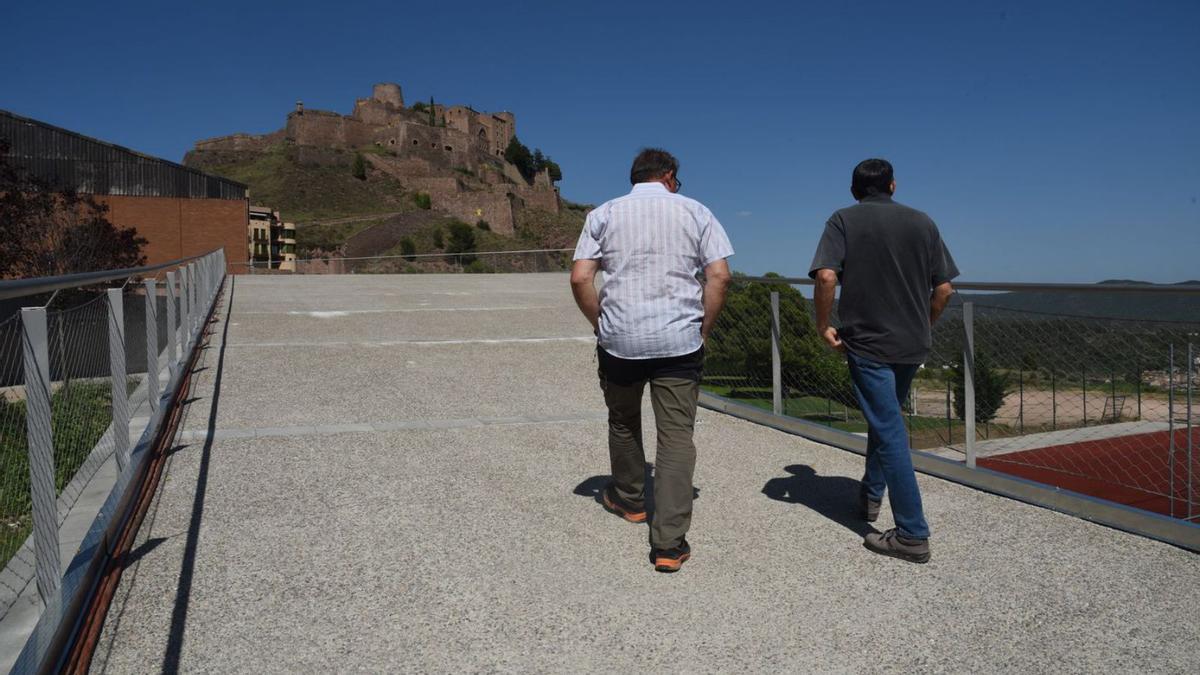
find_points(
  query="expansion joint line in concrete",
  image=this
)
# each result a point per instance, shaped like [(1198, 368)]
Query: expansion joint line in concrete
[(375, 427)]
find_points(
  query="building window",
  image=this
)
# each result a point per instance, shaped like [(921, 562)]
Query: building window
[(449, 149)]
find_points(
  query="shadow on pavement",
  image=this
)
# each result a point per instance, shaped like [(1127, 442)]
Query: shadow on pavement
[(183, 594), (835, 497), (593, 487)]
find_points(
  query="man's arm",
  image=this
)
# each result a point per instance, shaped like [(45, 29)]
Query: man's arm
[(716, 282), (823, 298), (583, 287), (939, 300)]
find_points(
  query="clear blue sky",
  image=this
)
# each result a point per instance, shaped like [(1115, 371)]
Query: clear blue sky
[(1051, 141)]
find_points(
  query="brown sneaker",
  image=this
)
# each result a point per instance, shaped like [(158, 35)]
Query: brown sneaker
[(615, 505), (898, 546), (670, 559)]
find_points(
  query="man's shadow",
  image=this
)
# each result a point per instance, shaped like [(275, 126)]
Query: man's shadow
[(594, 487), (835, 497)]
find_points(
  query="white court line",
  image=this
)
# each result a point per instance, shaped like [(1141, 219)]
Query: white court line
[(397, 343), (323, 313)]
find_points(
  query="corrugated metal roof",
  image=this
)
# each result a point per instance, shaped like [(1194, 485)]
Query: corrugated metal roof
[(72, 160)]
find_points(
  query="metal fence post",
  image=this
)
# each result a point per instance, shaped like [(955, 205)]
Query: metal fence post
[(116, 359), (1171, 424), (776, 366), (152, 344), (1083, 373), (184, 313), (172, 330), (1021, 401), (1191, 365), (48, 568), (1053, 400), (969, 378)]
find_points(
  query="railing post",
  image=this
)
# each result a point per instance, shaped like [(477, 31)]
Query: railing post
[(172, 328), (776, 366), (1191, 365), (116, 359), (48, 568), (151, 344), (1171, 424), (969, 378)]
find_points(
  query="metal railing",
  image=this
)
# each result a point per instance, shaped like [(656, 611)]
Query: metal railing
[(1086, 399), (86, 375), (479, 262)]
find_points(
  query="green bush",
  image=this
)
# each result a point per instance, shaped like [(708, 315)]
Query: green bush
[(477, 266), (438, 241), (407, 249), (423, 200), (360, 166), (483, 225)]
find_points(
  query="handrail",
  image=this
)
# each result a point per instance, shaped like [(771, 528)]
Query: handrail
[(415, 255), (18, 288), (1187, 289)]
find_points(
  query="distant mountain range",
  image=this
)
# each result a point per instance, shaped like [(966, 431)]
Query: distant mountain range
[(1149, 306)]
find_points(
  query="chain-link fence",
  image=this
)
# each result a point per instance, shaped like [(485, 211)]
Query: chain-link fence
[(82, 371), (1101, 405), (472, 262)]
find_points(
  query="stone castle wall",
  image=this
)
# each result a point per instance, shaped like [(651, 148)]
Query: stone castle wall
[(422, 157)]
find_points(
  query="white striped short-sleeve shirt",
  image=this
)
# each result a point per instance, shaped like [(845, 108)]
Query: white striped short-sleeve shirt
[(651, 244)]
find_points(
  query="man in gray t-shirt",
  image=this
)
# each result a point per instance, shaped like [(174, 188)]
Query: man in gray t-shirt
[(895, 273)]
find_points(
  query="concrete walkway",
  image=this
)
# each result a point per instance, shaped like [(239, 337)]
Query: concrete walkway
[(399, 474)]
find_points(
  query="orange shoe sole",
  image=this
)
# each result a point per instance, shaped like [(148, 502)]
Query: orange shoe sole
[(670, 564), (631, 516)]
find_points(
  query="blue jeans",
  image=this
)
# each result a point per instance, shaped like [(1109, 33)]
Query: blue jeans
[(880, 387)]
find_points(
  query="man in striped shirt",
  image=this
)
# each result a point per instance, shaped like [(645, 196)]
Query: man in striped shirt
[(651, 317)]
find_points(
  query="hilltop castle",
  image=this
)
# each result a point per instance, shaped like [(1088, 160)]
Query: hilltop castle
[(455, 154)]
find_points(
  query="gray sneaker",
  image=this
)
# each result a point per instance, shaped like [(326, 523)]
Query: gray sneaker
[(898, 546), (870, 508)]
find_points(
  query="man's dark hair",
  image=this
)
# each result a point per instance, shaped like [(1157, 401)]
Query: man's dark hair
[(872, 177), (652, 163)]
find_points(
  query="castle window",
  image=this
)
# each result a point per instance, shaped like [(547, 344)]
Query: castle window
[(414, 141), (449, 149)]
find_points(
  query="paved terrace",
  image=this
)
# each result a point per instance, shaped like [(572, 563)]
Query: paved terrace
[(398, 473)]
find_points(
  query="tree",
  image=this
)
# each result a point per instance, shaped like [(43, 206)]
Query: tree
[(519, 156), (432, 113), (554, 169), (462, 240), (991, 386), (46, 230), (438, 242), (360, 166), (484, 225), (740, 344)]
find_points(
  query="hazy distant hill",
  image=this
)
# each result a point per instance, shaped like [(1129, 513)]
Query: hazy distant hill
[(1115, 305)]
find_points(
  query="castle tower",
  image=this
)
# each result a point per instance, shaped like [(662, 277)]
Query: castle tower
[(388, 92)]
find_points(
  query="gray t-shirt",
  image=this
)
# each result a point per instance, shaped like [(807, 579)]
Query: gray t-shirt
[(888, 258)]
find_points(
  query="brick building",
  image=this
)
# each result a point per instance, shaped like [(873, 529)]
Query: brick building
[(179, 210)]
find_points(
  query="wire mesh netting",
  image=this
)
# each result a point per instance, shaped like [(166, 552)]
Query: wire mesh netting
[(15, 506), (1094, 405), (81, 389)]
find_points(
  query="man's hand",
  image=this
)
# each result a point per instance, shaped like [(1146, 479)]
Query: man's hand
[(939, 300), (830, 335), (823, 296), (716, 282), (583, 287)]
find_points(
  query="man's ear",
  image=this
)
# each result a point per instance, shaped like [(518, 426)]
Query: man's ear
[(892, 187)]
